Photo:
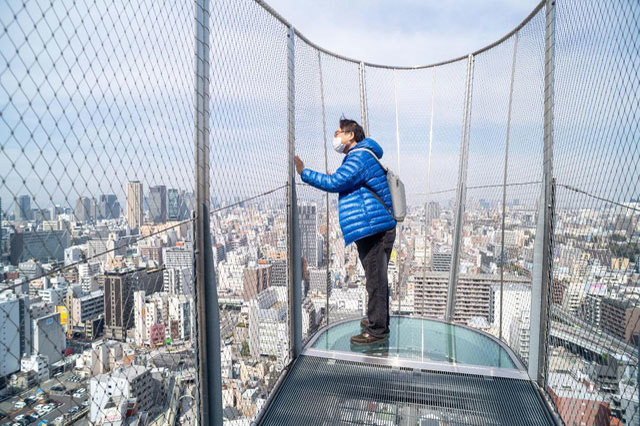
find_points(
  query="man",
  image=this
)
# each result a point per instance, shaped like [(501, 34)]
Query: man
[(366, 218)]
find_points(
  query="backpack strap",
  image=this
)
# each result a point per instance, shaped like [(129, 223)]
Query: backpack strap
[(373, 155), (367, 187)]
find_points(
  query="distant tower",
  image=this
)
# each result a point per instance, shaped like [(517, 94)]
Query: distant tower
[(158, 203), (23, 208), (173, 205), (308, 225), (82, 212), (134, 204)]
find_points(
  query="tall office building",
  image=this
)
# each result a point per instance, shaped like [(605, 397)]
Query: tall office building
[(82, 212), (308, 218), (23, 208), (109, 206), (255, 279), (158, 203), (118, 298), (433, 211), (173, 204), (135, 216)]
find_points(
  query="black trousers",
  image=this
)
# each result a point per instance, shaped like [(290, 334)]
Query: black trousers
[(374, 253)]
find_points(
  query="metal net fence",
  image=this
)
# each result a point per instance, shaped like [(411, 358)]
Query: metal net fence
[(96, 189), (593, 351), (520, 163)]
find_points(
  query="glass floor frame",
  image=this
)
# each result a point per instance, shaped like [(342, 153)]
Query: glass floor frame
[(421, 343)]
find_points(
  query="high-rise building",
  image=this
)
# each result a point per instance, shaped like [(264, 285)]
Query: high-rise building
[(109, 206), (255, 279), (620, 318), (15, 332), (118, 298), (23, 208), (440, 262), (158, 203), (173, 204), (308, 219), (433, 211), (473, 294), (135, 215), (82, 212), (278, 273)]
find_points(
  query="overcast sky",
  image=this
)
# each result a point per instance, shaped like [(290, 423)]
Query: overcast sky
[(404, 32)]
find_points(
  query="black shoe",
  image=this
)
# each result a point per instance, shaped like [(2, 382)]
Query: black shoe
[(364, 323), (365, 338)]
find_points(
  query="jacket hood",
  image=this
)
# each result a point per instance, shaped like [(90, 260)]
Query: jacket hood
[(370, 144)]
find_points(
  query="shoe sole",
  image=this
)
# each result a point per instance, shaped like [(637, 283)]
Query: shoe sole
[(384, 340)]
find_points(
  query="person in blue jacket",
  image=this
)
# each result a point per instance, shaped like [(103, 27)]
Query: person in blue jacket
[(366, 218)]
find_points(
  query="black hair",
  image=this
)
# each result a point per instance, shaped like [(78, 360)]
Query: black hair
[(347, 126)]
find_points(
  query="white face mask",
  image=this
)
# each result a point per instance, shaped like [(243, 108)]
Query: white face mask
[(338, 146)]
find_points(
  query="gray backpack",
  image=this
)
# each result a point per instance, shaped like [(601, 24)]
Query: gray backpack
[(396, 188)]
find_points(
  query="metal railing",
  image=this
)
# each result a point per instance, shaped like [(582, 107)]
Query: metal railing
[(154, 231)]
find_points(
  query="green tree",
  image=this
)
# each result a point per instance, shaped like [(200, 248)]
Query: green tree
[(245, 348)]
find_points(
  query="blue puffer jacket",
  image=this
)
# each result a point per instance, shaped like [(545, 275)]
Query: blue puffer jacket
[(361, 214)]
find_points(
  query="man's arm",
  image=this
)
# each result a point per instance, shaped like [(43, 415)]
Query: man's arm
[(348, 176)]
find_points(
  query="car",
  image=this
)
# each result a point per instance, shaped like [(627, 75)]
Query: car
[(29, 400), (58, 374), (20, 404), (85, 403), (58, 388)]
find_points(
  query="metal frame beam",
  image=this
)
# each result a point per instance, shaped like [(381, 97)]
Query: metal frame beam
[(461, 194)]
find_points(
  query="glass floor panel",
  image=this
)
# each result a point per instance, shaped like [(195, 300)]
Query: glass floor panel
[(423, 340)]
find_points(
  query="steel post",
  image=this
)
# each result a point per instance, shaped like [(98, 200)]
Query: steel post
[(326, 167), (206, 297), (364, 109), (294, 258), (504, 182), (461, 195)]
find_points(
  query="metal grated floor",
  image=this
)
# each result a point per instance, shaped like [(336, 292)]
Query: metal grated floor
[(319, 391)]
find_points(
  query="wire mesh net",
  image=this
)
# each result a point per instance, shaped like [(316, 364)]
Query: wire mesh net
[(593, 354), (248, 189), (97, 191)]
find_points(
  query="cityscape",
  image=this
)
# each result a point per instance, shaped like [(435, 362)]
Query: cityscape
[(98, 303)]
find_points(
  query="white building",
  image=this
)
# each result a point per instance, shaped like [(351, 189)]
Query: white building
[(87, 307), (519, 335), (38, 364), (49, 339), (139, 318), (150, 312), (268, 331), (72, 254), (117, 389), (87, 273), (180, 313)]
